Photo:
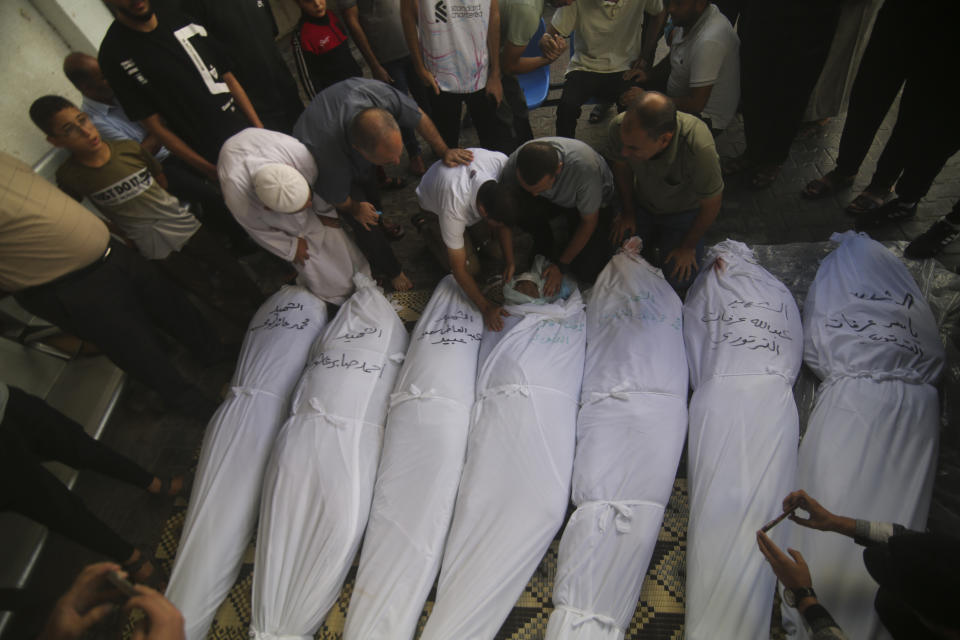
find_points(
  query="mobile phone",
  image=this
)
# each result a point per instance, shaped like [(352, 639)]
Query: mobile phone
[(123, 585)]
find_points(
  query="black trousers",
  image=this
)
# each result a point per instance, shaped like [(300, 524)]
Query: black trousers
[(902, 53), (580, 86), (33, 432), (118, 305), (494, 134), (513, 110), (783, 47), (536, 214), (373, 244), (188, 185)]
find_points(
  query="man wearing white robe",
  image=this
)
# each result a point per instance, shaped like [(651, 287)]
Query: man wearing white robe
[(310, 238)]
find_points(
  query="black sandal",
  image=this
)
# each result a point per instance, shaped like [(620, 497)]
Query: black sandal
[(393, 184), (135, 568), (865, 202), (763, 176), (827, 185)]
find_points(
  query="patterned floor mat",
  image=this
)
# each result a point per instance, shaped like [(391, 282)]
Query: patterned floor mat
[(659, 614)]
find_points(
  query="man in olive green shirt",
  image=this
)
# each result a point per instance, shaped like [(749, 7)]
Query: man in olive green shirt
[(667, 172)]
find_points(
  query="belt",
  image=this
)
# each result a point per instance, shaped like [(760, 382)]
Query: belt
[(77, 273)]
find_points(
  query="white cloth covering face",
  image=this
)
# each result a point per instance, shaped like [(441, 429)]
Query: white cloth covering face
[(225, 498), (423, 453), (744, 343), (870, 449), (515, 486), (319, 480), (630, 434), (333, 257), (451, 192)]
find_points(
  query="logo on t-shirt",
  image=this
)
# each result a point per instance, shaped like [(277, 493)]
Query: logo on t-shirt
[(133, 71), (440, 11), (124, 190)]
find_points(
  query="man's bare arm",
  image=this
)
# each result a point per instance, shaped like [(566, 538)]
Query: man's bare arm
[(243, 101), (352, 17), (505, 235), (580, 237), (709, 208), (494, 88), (151, 143), (652, 28), (155, 125), (458, 266), (695, 101), (408, 18)]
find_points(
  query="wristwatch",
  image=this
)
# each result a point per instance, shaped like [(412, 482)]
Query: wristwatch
[(793, 596)]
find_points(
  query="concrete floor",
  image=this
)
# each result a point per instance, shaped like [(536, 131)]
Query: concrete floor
[(169, 444)]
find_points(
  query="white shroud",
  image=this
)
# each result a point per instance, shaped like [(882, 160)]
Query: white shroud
[(744, 344), (870, 449), (226, 490), (319, 480), (423, 454), (630, 434), (515, 486)]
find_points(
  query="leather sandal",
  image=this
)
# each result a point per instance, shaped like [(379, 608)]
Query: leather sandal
[(827, 185)]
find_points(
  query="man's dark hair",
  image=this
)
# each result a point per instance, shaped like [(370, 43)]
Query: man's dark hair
[(369, 127), (44, 108), (535, 160), (655, 113), (498, 203), (77, 68)]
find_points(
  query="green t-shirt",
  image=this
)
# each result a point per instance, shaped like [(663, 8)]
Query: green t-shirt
[(681, 175), (519, 20), (126, 191)]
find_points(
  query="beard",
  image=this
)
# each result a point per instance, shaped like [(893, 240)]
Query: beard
[(139, 17)]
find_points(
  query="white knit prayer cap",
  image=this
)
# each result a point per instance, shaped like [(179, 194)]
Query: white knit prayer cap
[(281, 188)]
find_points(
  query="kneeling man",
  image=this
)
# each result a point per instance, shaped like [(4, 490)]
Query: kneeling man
[(266, 176), (469, 196)]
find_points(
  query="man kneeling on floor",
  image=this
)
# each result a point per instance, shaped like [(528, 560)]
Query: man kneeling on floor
[(470, 206)]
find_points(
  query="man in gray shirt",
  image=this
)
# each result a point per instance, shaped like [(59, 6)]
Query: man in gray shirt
[(563, 177), (351, 128)]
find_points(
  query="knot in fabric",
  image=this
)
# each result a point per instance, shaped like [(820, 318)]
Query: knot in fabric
[(584, 617), (619, 512), (238, 391), (413, 392), (263, 635), (619, 392), (320, 411), (506, 390)]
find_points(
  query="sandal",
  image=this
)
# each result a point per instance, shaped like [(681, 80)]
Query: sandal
[(417, 167), (170, 487), (812, 129), (418, 220), (393, 184), (763, 176), (864, 202), (827, 185), (598, 113), (391, 230), (733, 166), (141, 569), (886, 214)]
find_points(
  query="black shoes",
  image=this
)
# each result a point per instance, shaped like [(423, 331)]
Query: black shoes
[(888, 213), (932, 241)]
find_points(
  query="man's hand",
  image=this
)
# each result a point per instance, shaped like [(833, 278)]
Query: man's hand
[(631, 94), (493, 316), (552, 46), (302, 256), (454, 157), (379, 73), (792, 572), (84, 604), (210, 171), (684, 262), (552, 279), (428, 80), (622, 227), (366, 214), (819, 518), (163, 620), (508, 272), (494, 89)]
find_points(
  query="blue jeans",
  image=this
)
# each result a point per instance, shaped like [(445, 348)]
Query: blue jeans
[(665, 233), (401, 71)]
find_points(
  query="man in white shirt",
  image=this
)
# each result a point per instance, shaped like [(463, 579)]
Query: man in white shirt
[(282, 214), (608, 43), (462, 197), (702, 72)]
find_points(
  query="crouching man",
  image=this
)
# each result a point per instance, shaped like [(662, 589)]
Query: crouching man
[(266, 178), (470, 207)]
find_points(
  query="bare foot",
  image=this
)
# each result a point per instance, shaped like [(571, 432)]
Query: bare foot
[(171, 488), (401, 282), (138, 566), (416, 166)]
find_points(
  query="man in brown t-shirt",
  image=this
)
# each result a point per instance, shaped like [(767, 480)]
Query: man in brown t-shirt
[(58, 261)]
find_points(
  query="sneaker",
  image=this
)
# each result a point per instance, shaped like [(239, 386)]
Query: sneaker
[(932, 241), (888, 213)]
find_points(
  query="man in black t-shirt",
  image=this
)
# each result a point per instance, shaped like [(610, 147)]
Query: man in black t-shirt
[(247, 29), (176, 80)]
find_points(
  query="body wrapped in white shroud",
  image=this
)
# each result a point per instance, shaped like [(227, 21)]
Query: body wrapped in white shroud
[(744, 343), (870, 449), (515, 486), (319, 480), (225, 498), (630, 434), (423, 454)]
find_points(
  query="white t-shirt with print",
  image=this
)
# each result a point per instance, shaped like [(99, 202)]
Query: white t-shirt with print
[(453, 40)]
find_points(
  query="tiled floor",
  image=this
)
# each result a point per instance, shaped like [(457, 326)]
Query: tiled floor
[(776, 215)]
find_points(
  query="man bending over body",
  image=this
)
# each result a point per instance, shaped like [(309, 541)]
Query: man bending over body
[(466, 196)]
